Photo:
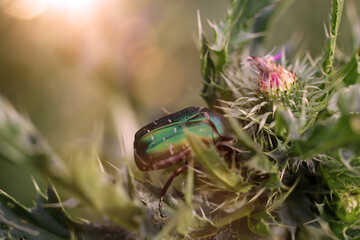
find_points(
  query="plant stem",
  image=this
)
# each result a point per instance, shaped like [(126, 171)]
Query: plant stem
[(331, 42)]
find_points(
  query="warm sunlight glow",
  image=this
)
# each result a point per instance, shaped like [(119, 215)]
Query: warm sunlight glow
[(73, 5), (23, 9), (28, 9)]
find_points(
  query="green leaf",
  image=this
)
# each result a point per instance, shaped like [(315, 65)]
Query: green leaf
[(23, 145), (259, 226), (244, 139), (340, 229), (259, 161), (266, 19), (281, 198), (341, 176), (350, 71), (207, 65), (202, 228), (215, 166), (48, 220), (180, 221), (297, 210), (230, 34), (328, 135), (37, 223), (189, 184), (236, 23), (20, 143), (286, 124), (354, 21), (96, 188), (224, 219), (306, 232), (262, 165), (349, 99)]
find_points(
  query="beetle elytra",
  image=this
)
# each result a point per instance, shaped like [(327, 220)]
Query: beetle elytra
[(163, 142)]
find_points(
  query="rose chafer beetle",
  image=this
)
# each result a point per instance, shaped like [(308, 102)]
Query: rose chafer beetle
[(163, 143)]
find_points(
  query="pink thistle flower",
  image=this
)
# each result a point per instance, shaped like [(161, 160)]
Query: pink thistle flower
[(272, 78)]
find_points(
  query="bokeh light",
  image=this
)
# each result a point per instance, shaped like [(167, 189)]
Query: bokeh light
[(23, 9), (73, 5), (158, 77), (28, 9)]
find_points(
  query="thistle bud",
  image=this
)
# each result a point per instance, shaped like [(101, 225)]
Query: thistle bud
[(347, 206), (272, 78)]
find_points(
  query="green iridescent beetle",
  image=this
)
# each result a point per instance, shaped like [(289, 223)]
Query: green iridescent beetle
[(163, 142)]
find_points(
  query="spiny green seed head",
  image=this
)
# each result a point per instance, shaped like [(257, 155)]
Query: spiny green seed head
[(257, 98), (348, 206)]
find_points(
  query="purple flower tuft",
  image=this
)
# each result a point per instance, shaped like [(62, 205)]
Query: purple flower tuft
[(272, 78)]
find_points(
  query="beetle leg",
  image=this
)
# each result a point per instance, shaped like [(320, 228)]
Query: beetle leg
[(211, 124), (167, 184), (230, 154), (213, 127), (229, 157), (227, 153), (237, 160)]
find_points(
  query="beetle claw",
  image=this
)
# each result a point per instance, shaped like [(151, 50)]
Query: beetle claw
[(160, 208)]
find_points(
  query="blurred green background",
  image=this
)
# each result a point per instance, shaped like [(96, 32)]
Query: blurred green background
[(74, 65)]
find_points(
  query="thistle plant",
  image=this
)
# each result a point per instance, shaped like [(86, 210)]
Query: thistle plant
[(295, 170)]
